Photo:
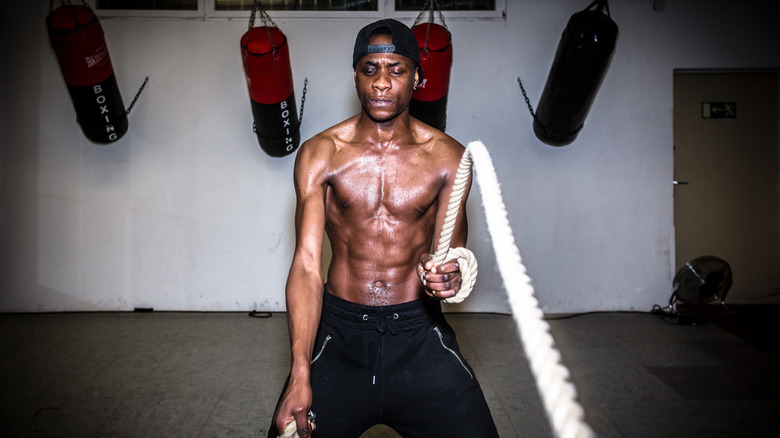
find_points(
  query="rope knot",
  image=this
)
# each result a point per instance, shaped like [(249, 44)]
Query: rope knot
[(468, 272)]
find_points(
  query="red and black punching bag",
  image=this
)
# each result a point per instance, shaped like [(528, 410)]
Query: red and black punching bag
[(269, 78), (77, 40), (580, 63), (429, 102)]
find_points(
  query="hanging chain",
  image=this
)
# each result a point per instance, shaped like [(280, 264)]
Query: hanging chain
[(536, 119), (252, 15), (303, 100), (265, 18), (525, 96), (429, 7), (138, 94)]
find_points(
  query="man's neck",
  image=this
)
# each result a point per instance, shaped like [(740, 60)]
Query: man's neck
[(386, 132)]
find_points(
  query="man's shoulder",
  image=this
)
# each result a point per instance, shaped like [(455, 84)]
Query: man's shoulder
[(320, 150), (436, 141), (332, 136)]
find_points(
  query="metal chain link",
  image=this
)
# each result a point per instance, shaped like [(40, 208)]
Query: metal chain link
[(525, 96), (303, 100), (252, 15), (429, 7), (536, 119), (137, 95), (265, 18)]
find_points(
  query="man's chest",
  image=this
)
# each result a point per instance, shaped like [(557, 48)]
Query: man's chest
[(384, 186)]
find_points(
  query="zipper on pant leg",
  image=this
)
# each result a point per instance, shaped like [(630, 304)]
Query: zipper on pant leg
[(324, 343), (441, 339)]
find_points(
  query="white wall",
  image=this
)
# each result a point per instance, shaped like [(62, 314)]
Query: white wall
[(186, 212)]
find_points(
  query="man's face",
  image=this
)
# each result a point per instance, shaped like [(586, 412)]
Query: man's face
[(385, 82)]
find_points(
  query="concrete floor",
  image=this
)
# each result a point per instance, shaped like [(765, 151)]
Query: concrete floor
[(219, 375)]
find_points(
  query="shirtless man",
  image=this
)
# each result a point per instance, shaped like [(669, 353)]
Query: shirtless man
[(371, 345)]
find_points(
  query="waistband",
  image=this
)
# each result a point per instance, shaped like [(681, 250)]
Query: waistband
[(347, 314)]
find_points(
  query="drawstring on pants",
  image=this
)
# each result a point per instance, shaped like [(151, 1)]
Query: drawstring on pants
[(384, 324)]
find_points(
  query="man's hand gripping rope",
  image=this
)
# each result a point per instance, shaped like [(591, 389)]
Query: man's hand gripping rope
[(292, 430)]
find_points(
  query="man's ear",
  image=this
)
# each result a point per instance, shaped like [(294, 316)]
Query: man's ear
[(416, 78)]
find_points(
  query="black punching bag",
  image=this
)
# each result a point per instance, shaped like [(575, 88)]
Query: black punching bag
[(77, 39), (581, 61)]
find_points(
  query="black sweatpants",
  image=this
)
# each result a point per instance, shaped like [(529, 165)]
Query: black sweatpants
[(398, 365)]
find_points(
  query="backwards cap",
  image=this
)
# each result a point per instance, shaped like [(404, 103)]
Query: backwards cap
[(404, 42)]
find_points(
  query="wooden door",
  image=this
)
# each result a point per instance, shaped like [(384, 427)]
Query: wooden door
[(726, 174)]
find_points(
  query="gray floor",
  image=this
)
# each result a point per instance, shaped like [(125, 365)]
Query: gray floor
[(218, 374)]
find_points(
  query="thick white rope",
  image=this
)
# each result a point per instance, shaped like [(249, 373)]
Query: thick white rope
[(558, 394), (291, 431)]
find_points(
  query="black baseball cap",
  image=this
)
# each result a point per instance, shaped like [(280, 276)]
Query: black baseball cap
[(404, 42)]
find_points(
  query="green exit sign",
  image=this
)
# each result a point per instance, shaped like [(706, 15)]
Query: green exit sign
[(719, 110)]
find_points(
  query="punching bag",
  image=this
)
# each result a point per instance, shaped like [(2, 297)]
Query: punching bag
[(580, 64), (269, 78), (429, 102), (77, 39)]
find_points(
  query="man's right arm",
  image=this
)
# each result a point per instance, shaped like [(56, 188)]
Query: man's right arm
[(304, 283)]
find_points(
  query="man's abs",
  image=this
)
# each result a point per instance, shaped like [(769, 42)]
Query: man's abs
[(372, 284), (374, 259)]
